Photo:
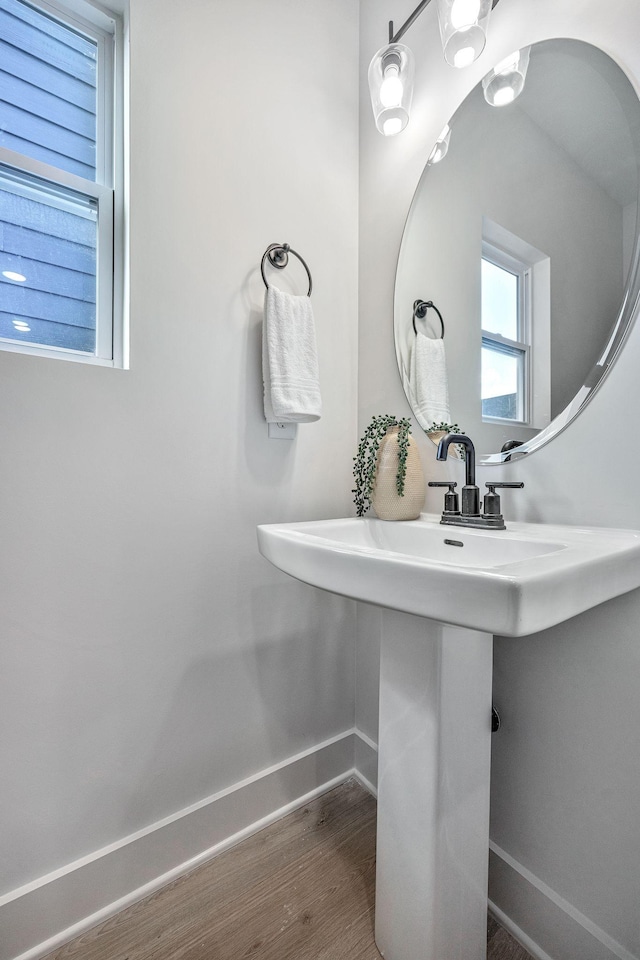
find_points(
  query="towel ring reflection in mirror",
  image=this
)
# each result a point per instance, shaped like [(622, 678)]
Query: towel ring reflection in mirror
[(278, 256), (420, 308)]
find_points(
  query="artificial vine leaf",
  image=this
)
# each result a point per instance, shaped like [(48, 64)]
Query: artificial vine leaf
[(365, 463)]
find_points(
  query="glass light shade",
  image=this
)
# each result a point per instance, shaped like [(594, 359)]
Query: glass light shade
[(391, 88), (463, 29), (506, 81), (441, 146)]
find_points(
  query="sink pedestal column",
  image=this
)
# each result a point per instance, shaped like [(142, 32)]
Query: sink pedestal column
[(433, 790)]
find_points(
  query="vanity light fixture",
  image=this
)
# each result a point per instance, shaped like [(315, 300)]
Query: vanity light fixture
[(506, 81), (391, 87), (463, 29)]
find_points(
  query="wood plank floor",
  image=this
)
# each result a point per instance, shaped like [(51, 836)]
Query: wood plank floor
[(301, 889)]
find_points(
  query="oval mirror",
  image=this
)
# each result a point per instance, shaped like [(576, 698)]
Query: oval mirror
[(518, 271)]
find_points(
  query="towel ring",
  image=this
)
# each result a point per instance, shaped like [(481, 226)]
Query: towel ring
[(420, 308), (278, 256)]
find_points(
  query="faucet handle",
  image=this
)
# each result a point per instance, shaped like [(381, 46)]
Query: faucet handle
[(492, 486), (492, 499), (451, 498)]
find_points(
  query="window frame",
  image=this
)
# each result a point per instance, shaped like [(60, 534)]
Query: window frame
[(107, 190), (520, 347)]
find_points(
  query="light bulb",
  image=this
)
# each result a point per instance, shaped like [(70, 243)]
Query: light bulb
[(392, 87), (506, 81), (463, 29), (392, 126), (464, 13), (504, 96), (464, 57)]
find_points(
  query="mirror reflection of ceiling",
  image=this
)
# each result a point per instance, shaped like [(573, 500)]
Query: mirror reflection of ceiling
[(586, 128), (578, 111)]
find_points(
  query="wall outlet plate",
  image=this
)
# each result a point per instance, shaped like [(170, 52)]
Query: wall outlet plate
[(283, 431)]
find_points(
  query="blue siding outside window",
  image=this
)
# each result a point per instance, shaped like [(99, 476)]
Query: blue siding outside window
[(47, 90), (48, 236), (47, 269)]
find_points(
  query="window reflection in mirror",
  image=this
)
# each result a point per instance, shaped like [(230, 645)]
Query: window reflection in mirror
[(504, 383)]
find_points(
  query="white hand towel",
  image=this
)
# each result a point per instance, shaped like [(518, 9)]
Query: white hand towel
[(289, 359), (428, 376)]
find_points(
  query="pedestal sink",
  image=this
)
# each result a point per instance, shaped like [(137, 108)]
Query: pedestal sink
[(447, 591)]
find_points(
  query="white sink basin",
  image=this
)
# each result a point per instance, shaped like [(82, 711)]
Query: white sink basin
[(510, 582)]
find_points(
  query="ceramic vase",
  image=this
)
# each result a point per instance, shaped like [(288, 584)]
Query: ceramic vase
[(386, 501)]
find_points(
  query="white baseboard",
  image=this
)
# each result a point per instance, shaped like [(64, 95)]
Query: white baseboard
[(365, 761), (541, 920), (41, 916), (519, 935)]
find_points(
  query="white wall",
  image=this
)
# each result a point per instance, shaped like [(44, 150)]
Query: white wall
[(566, 781), (150, 656)]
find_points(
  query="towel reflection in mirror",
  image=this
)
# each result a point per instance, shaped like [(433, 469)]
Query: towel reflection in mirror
[(427, 374)]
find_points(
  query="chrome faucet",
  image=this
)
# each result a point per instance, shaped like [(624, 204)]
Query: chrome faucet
[(470, 515)]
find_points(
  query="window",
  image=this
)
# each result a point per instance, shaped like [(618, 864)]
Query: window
[(506, 322), (516, 329), (60, 181)]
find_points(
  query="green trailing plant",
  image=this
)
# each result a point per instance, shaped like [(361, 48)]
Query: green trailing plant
[(366, 461), (447, 427)]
